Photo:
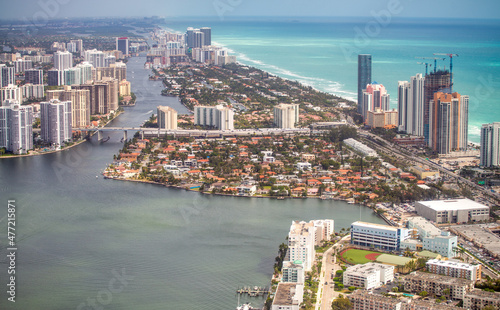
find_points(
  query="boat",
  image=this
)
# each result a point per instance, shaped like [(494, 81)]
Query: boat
[(244, 307)]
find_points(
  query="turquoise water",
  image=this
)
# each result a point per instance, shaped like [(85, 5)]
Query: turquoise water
[(323, 53)]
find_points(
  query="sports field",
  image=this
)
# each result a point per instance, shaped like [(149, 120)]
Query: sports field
[(353, 256)]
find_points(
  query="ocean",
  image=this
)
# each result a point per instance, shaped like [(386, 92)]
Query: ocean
[(323, 53)]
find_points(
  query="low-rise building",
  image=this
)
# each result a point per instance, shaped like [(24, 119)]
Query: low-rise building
[(378, 236), (435, 284), (423, 173), (366, 300), (360, 147), (478, 299), (452, 211), (454, 269), (288, 296), (368, 276)]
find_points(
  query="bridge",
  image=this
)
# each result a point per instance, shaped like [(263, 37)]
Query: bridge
[(197, 133)]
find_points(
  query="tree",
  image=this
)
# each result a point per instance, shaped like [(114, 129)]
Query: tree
[(489, 307), (341, 303), (423, 293)]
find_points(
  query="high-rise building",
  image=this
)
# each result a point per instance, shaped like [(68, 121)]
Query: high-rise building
[(55, 122), (166, 117), (55, 77), (21, 65), (95, 58), (117, 71), (218, 117), (80, 104), (10, 92), (16, 132), (364, 77), (124, 86), (122, 45), (189, 37), (99, 96), (198, 39), (286, 115), (448, 122), (380, 118), (490, 145), (63, 60), (78, 46), (434, 82), (374, 97), (33, 76), (207, 32), (7, 75), (109, 60), (411, 105)]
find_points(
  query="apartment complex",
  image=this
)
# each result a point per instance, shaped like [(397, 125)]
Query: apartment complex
[(366, 300), (288, 296), (286, 115), (454, 269), (435, 81), (16, 132), (417, 282), (380, 118), (166, 117), (448, 122), (490, 145), (80, 104), (55, 121), (304, 236), (452, 211), (368, 276), (293, 272), (375, 97), (218, 117), (478, 299), (378, 236)]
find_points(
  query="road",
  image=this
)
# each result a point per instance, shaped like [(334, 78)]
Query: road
[(326, 293), (392, 149)]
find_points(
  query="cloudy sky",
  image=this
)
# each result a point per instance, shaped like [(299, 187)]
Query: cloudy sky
[(32, 9)]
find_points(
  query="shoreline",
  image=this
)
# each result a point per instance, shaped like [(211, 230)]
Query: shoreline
[(64, 149)]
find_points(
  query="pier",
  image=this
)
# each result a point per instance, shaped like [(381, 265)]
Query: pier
[(253, 291)]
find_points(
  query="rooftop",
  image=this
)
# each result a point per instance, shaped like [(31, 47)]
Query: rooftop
[(373, 225), (285, 294), (455, 204), (450, 263), (423, 224), (430, 277)]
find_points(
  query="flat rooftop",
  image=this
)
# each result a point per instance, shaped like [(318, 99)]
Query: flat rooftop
[(285, 294), (425, 225), (453, 204), (373, 225)]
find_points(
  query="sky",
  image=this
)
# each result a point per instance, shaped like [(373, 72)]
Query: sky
[(55, 9)]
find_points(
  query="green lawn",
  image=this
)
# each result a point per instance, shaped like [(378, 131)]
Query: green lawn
[(354, 256)]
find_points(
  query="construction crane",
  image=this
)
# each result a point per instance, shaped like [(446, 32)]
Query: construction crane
[(433, 58), (451, 67), (426, 65)]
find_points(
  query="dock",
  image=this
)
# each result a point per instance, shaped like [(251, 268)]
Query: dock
[(253, 291)]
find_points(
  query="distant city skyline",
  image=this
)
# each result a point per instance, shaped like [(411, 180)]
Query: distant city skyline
[(54, 9)]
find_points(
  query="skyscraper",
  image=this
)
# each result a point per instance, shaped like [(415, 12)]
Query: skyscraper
[(411, 105), (448, 122), (63, 60), (79, 45), (55, 122), (374, 97), (286, 115), (166, 117), (95, 58), (16, 132), (10, 92), (490, 145), (7, 75), (434, 82), (207, 31), (55, 77), (364, 77), (80, 104), (33, 76), (190, 37), (122, 45), (198, 39), (218, 117)]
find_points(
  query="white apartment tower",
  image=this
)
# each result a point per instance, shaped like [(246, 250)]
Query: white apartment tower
[(490, 145), (16, 133), (55, 121), (63, 60), (166, 117), (286, 115), (411, 105)]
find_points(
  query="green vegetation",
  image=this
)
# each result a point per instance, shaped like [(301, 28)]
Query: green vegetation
[(341, 303)]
